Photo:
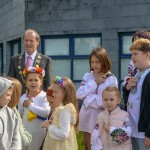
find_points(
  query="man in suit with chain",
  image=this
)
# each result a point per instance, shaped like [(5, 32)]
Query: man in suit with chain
[(30, 57)]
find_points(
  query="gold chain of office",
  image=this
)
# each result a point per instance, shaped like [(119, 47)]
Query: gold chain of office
[(19, 66)]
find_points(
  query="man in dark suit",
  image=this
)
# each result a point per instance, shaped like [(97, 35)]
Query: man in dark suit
[(30, 57)]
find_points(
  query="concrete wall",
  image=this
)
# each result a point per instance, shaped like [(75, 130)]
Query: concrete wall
[(109, 17), (12, 24), (58, 17)]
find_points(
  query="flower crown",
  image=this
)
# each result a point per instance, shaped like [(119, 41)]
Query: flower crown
[(34, 70), (59, 81)]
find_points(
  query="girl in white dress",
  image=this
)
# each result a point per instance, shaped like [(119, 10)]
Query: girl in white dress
[(90, 91), (33, 106)]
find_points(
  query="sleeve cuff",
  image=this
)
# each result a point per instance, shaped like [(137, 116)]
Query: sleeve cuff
[(112, 129), (30, 106), (147, 134), (50, 132)]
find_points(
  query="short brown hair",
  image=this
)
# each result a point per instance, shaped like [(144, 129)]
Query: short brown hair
[(141, 45), (145, 34), (32, 31), (112, 89), (103, 57)]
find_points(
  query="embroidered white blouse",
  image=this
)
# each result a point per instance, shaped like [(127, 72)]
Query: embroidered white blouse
[(88, 88)]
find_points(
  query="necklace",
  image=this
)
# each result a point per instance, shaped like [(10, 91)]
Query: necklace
[(37, 62)]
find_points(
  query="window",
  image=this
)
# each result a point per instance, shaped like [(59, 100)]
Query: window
[(1, 58), (125, 41), (14, 48), (70, 54)]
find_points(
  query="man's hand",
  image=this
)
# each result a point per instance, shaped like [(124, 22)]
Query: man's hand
[(147, 142)]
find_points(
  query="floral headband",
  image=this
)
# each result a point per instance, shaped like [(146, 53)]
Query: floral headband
[(34, 70), (59, 81)]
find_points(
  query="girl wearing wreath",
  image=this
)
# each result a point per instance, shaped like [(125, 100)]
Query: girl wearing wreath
[(61, 134), (34, 107)]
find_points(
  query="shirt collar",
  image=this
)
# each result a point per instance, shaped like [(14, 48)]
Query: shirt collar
[(32, 56), (116, 110)]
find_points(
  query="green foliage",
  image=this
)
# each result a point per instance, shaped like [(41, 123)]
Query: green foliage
[(80, 141)]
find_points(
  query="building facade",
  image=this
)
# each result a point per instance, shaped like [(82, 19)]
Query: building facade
[(70, 29)]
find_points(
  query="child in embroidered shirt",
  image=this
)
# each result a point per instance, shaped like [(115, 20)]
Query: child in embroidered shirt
[(61, 130), (132, 70), (114, 124), (137, 91), (33, 106), (90, 91)]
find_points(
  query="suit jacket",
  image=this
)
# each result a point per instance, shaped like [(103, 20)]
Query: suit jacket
[(44, 62)]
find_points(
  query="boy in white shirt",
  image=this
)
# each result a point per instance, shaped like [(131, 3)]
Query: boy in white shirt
[(137, 90)]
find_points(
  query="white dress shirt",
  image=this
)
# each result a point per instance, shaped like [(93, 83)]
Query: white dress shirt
[(32, 58)]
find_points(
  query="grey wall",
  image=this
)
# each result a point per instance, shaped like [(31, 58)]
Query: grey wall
[(58, 17), (108, 17), (12, 24)]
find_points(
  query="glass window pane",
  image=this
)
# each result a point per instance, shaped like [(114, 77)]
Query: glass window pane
[(80, 67), (15, 48), (124, 67), (83, 46), (76, 84), (127, 41), (61, 68), (56, 47)]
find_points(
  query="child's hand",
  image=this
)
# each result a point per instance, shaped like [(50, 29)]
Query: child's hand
[(100, 79), (106, 127), (27, 103), (46, 124), (131, 83), (147, 142)]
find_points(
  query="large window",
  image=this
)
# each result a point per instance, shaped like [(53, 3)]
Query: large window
[(125, 41), (70, 54), (1, 58)]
